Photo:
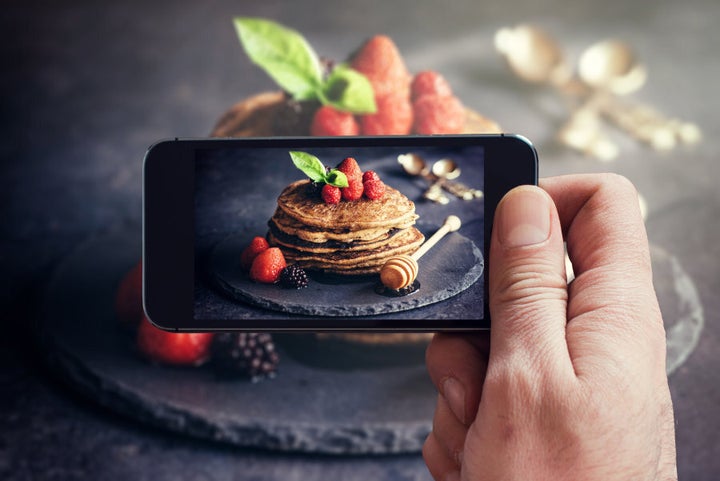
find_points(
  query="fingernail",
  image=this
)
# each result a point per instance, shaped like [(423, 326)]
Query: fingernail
[(454, 394), (524, 219)]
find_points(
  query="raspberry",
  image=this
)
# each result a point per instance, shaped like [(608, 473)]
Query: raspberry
[(257, 245), (267, 266), (438, 115), (429, 82), (293, 277), (245, 354), (177, 348), (374, 189), (331, 194), (380, 61), (394, 116), (328, 121), (370, 175)]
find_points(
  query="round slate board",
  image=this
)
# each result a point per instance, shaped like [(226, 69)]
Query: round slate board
[(337, 406), (450, 267)]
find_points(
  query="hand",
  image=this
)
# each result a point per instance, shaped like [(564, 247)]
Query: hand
[(570, 382)]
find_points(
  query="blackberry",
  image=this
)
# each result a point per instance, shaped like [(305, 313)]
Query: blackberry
[(293, 277), (245, 354)]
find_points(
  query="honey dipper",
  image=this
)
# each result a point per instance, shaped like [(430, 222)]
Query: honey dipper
[(400, 271)]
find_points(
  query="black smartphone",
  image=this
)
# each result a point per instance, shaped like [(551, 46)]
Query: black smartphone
[(282, 234)]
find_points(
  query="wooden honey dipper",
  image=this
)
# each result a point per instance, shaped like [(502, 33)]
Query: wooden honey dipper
[(400, 271)]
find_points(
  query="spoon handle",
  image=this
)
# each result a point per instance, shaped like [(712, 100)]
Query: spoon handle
[(458, 189), (451, 224)]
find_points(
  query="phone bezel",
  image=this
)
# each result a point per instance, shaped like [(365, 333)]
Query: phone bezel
[(169, 226)]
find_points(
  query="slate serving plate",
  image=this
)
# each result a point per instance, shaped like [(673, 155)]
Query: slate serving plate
[(451, 266), (334, 406)]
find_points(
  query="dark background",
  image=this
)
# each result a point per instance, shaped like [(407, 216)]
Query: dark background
[(88, 86)]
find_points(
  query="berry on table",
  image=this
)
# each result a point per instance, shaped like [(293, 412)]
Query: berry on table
[(128, 298), (245, 354), (257, 245), (293, 277), (175, 348), (267, 266)]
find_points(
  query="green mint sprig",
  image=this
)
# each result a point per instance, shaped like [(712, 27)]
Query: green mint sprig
[(292, 63), (313, 168)]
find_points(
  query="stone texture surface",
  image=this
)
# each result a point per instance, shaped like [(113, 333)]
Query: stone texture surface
[(360, 409)]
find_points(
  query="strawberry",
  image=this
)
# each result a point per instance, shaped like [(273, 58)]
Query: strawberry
[(380, 61), (329, 121), (267, 266), (436, 114), (128, 298), (352, 171), (331, 194), (350, 168), (353, 191), (176, 348), (394, 116), (257, 245), (429, 82), (370, 175), (374, 189)]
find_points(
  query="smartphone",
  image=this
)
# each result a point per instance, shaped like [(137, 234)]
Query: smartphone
[(206, 201)]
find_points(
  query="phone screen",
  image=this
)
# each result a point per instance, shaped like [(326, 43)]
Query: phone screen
[(241, 194)]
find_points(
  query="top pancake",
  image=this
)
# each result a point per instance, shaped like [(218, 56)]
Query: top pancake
[(300, 200)]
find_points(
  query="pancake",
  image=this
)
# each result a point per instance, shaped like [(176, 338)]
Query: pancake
[(299, 200), (283, 222), (343, 261)]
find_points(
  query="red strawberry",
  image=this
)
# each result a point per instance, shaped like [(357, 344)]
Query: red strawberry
[(177, 348), (352, 171), (438, 115), (394, 116), (380, 61), (353, 191), (350, 168), (267, 266), (429, 82), (370, 175), (374, 189), (128, 298), (331, 194), (257, 245), (328, 121)]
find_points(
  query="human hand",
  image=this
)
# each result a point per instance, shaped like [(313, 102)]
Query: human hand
[(570, 382)]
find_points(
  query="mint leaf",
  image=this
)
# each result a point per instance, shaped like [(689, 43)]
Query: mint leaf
[(336, 178), (310, 165), (284, 55), (349, 90)]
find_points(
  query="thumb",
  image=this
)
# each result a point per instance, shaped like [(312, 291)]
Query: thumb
[(527, 286)]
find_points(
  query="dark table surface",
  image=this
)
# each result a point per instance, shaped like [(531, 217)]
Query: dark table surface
[(88, 86)]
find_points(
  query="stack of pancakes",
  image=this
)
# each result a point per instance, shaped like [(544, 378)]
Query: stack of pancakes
[(349, 238)]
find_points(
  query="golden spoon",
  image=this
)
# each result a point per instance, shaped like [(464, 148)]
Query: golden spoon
[(401, 271)]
